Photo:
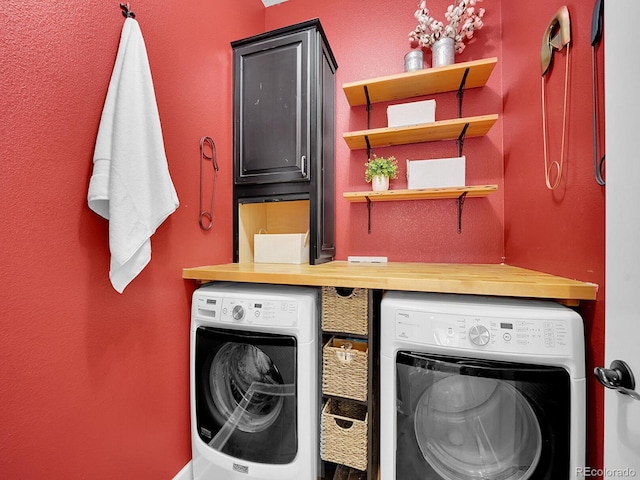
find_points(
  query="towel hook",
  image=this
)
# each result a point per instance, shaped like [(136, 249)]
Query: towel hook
[(126, 11), (207, 215)]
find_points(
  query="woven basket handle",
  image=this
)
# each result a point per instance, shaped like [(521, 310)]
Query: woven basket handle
[(345, 292), (343, 422)]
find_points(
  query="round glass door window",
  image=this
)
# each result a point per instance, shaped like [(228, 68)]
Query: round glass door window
[(471, 428), (246, 386)]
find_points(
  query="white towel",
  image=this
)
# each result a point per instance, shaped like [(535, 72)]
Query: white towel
[(130, 185)]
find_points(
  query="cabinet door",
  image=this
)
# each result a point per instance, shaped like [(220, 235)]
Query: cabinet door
[(271, 110)]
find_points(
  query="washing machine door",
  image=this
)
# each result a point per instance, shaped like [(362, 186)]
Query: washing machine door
[(466, 419), (245, 388)]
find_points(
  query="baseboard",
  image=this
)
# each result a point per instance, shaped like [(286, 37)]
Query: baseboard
[(186, 473)]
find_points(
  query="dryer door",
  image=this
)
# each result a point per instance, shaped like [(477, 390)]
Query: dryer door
[(467, 419), (245, 387)]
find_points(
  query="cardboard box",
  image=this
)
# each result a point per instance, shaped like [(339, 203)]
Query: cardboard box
[(412, 113), (281, 248), (437, 173)]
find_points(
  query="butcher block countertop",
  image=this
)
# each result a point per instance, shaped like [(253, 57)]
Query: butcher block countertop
[(476, 279)]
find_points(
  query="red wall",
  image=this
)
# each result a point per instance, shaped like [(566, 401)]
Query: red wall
[(96, 383), (560, 232)]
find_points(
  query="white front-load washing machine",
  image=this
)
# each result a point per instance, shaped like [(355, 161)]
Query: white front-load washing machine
[(254, 376), (482, 388)]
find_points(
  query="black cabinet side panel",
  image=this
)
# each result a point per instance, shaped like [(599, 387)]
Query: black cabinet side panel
[(325, 247)]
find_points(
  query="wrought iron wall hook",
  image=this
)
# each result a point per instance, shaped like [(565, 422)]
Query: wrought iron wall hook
[(126, 11), (205, 218)]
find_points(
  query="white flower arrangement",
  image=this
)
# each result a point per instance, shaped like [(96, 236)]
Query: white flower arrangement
[(463, 20)]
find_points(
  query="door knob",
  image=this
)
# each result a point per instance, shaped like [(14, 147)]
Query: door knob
[(618, 377)]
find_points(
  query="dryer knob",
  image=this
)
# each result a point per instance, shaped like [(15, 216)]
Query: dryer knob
[(479, 335), (238, 312)]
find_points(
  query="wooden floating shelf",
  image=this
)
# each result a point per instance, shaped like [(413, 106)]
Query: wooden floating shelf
[(451, 129), (427, 81), (457, 77), (421, 194)]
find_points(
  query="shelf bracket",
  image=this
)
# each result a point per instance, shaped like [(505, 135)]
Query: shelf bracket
[(366, 139), (369, 207), (460, 203), (460, 141), (460, 93), (366, 94)]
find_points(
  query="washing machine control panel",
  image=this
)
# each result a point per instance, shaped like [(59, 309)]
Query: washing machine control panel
[(484, 332), (250, 311)]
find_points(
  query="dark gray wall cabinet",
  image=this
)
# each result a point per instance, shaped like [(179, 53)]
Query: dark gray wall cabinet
[(283, 133)]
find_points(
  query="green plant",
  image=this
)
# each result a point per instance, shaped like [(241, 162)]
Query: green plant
[(387, 167)]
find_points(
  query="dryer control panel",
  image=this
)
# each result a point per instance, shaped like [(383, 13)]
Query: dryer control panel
[(266, 312), (496, 334)]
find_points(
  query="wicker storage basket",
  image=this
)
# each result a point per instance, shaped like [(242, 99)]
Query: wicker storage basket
[(345, 310), (344, 368), (347, 473), (344, 433)]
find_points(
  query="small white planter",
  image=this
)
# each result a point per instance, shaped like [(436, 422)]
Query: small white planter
[(380, 183)]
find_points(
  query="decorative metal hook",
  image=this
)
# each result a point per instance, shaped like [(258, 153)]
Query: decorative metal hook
[(126, 11), (206, 216)]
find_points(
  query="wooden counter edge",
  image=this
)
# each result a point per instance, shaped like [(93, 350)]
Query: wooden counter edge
[(475, 279)]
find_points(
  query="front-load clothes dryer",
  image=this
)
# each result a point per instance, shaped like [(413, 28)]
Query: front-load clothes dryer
[(480, 388), (254, 376)]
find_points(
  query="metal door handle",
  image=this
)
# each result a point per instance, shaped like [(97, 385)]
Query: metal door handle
[(303, 162), (618, 377)]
